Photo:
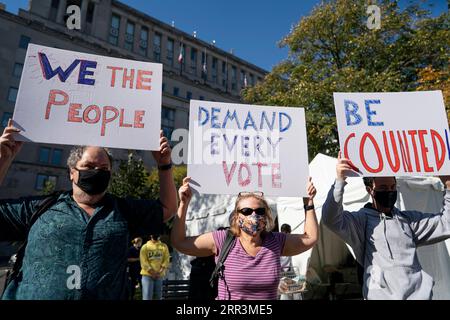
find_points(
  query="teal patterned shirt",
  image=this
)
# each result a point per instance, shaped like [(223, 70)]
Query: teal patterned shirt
[(70, 255)]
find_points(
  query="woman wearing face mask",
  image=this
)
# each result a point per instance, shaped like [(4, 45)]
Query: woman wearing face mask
[(252, 268)]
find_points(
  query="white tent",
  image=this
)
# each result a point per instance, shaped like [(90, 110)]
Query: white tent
[(208, 212)]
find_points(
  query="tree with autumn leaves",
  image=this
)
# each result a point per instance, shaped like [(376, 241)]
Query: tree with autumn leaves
[(333, 50)]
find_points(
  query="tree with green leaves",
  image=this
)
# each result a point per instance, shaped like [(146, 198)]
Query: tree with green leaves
[(130, 179), (333, 50)]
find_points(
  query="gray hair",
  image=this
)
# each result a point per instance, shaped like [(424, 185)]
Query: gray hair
[(77, 152)]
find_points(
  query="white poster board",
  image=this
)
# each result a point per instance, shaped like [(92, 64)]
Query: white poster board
[(68, 97), (394, 134), (239, 147)]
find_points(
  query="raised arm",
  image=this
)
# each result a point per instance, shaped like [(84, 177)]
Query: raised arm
[(298, 243), (167, 189), (199, 246), (431, 228), (9, 148), (348, 226)]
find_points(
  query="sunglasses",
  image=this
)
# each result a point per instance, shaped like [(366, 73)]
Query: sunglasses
[(249, 211)]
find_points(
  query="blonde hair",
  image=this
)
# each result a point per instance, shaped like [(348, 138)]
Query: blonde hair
[(234, 227)]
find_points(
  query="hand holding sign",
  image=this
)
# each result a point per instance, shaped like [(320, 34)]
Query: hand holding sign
[(345, 168), (9, 147), (163, 155)]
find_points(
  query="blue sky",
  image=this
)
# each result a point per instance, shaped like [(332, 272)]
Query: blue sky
[(252, 28)]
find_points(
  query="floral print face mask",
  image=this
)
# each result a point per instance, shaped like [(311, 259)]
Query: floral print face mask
[(252, 224)]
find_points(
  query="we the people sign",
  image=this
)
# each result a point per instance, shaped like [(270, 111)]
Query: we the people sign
[(394, 134), (68, 97), (238, 147)]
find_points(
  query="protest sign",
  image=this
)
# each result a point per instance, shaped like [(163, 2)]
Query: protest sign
[(394, 134), (68, 97), (238, 147)]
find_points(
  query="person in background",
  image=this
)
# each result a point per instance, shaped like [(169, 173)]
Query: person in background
[(155, 259), (252, 268), (286, 261), (134, 265)]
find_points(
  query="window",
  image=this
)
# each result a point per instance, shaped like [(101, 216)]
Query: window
[(24, 41), (90, 12), (44, 155), (167, 121), (202, 98), (188, 95), (157, 47), (143, 41), (224, 74), (5, 118), (204, 66), (163, 87), (56, 157), (193, 61), (17, 72), (12, 94), (114, 30), (42, 179), (170, 46), (214, 69), (54, 10), (242, 79), (233, 78), (252, 79), (176, 91), (129, 36)]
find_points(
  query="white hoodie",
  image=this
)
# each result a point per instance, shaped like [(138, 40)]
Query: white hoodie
[(387, 246)]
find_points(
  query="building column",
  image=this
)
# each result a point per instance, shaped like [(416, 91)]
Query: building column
[(61, 11)]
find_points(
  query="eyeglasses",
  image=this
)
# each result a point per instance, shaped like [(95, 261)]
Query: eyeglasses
[(249, 211), (254, 193)]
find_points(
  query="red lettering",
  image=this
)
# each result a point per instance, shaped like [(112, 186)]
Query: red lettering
[(52, 100), (140, 82), (88, 110), (426, 167), (106, 120), (247, 180), (127, 78), (351, 135), (439, 159), (395, 167), (404, 150), (138, 115), (276, 175), (113, 74), (74, 112), (412, 133), (377, 150), (260, 165), (228, 174), (121, 121)]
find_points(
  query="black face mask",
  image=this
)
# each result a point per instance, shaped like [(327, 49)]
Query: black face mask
[(386, 198), (93, 181)]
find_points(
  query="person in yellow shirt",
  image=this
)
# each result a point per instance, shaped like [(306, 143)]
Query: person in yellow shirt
[(154, 258)]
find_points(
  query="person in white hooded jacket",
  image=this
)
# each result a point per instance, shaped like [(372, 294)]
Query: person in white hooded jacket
[(385, 239)]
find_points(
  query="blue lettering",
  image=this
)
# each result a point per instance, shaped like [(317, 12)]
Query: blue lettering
[(200, 111), (49, 73), (214, 143), (230, 147), (448, 144), (248, 120), (231, 117), (282, 129), (245, 140), (371, 113), (84, 72), (351, 112), (214, 124), (264, 117)]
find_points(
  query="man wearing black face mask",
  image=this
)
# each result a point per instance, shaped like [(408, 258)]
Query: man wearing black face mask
[(78, 247), (385, 239)]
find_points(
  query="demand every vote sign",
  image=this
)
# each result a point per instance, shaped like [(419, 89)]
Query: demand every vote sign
[(394, 134), (68, 97), (238, 147)]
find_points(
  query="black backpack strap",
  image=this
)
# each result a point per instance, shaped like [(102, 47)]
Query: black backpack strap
[(226, 247), (43, 206)]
